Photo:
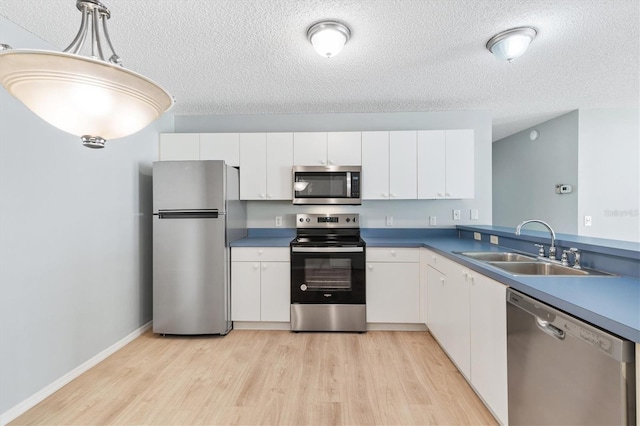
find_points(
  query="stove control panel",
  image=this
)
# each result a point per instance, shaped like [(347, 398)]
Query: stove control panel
[(341, 220)]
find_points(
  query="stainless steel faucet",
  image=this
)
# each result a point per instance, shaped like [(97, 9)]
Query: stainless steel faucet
[(552, 249)]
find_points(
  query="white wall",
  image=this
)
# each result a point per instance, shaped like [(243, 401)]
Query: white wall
[(525, 173), (609, 173), (406, 214), (75, 242)]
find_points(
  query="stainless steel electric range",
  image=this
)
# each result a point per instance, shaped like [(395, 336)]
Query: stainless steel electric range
[(328, 291)]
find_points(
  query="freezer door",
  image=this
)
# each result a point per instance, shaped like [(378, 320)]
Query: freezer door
[(189, 185), (190, 276)]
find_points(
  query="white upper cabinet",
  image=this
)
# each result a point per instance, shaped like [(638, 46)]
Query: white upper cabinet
[(310, 149), (431, 164), (344, 148), (327, 149), (179, 146), (403, 168), (253, 166), (446, 164), (460, 160), (389, 166), (279, 166), (265, 166), (221, 146), (375, 165)]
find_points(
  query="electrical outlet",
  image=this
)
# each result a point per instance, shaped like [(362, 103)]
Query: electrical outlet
[(587, 221), (433, 220), (473, 214), (278, 220), (493, 239), (477, 236), (389, 220), (456, 214)]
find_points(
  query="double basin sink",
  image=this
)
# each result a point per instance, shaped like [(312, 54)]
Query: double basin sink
[(521, 264)]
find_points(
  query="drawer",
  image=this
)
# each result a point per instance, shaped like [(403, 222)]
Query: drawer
[(390, 254), (260, 254)]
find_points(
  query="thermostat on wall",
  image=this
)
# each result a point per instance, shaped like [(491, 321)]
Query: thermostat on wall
[(563, 189)]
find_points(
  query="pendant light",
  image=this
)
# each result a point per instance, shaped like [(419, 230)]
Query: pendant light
[(93, 98), (328, 37), (511, 44)]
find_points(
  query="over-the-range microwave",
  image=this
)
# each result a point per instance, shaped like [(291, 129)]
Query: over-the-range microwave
[(327, 185)]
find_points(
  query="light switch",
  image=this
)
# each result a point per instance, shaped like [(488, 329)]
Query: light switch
[(456, 214), (433, 220)]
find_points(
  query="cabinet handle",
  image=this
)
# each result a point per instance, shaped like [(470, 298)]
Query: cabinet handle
[(323, 162), (442, 280), (440, 194), (370, 267), (264, 266), (330, 162), (384, 195), (393, 195), (255, 266), (261, 195), (435, 259), (269, 195), (259, 251), (393, 252), (447, 194)]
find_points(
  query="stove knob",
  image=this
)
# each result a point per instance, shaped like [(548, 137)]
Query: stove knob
[(308, 220), (303, 287), (301, 220), (354, 220), (348, 220)]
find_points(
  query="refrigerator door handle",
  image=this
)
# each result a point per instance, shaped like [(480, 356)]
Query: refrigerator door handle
[(188, 214)]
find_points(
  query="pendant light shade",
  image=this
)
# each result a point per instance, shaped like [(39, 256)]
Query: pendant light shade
[(85, 96), (511, 44), (328, 37)]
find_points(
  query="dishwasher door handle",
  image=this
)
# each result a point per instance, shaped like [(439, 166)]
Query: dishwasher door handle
[(550, 329)]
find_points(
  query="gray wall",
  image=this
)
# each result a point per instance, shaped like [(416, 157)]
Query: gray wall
[(525, 173), (595, 150), (609, 173), (75, 243), (407, 213)]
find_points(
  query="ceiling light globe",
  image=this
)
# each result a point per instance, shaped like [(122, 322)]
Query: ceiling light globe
[(511, 44), (328, 38)]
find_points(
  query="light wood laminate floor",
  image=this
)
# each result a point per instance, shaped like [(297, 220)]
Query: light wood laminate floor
[(269, 378)]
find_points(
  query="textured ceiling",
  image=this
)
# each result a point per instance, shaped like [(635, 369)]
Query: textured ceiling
[(252, 56)]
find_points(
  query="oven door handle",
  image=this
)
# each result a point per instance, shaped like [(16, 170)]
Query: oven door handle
[(327, 249)]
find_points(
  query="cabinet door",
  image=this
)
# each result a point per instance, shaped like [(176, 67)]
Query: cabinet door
[(310, 149), (253, 166), (344, 148), (275, 293), (460, 159), (436, 304), (279, 166), (431, 164), (457, 321), (245, 291), (179, 146), (220, 146), (403, 172), (488, 319), (393, 292), (375, 165)]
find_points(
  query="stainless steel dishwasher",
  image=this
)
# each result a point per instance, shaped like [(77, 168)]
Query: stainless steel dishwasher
[(562, 371)]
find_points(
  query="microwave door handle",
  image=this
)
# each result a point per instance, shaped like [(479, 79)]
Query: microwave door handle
[(349, 184)]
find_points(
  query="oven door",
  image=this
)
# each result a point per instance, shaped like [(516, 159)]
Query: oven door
[(323, 275)]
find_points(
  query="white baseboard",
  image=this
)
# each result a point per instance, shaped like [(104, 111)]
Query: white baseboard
[(379, 326), (261, 325), (48, 390)]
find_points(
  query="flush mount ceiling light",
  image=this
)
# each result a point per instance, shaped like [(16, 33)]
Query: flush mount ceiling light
[(328, 37), (511, 44), (90, 97)]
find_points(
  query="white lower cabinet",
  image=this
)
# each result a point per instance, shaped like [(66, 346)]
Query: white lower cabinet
[(260, 284), (466, 313), (393, 285), (488, 319)]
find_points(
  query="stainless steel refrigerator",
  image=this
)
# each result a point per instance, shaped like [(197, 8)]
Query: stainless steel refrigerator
[(197, 213)]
